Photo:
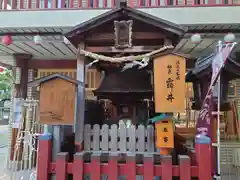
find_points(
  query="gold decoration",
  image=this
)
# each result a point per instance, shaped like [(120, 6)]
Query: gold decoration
[(123, 34)]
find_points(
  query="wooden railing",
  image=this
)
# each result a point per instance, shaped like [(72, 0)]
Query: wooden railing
[(93, 4), (122, 138), (112, 165)]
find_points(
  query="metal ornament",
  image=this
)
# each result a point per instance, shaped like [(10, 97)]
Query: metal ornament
[(123, 34)]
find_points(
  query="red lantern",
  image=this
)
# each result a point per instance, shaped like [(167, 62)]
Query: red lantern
[(7, 40), (1, 69)]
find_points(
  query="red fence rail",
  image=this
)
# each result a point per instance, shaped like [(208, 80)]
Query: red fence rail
[(113, 168), (93, 4)]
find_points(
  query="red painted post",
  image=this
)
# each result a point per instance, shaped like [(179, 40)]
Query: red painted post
[(45, 4), (62, 4), (105, 3), (166, 167), (61, 166), (95, 3), (21, 4), (148, 3), (5, 4), (131, 3), (29, 4), (71, 3), (148, 166), (131, 166), (14, 4), (95, 166), (203, 156), (79, 3), (44, 156), (185, 167), (78, 171), (113, 166), (139, 3), (113, 5), (166, 2), (37, 4)]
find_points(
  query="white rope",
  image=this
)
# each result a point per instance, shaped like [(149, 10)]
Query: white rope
[(99, 57)]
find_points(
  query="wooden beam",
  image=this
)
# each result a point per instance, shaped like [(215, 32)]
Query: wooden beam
[(52, 64), (80, 100), (22, 62), (111, 49), (135, 35)]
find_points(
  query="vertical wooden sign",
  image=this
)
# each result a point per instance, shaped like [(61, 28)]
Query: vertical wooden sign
[(169, 83)]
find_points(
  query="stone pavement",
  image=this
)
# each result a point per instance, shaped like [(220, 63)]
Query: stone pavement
[(3, 153)]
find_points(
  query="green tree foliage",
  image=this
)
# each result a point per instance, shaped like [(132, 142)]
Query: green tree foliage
[(6, 81)]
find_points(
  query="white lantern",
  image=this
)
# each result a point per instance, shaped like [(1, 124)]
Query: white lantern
[(196, 38), (229, 38), (37, 39)]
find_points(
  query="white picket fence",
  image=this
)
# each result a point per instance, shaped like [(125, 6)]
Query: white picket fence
[(113, 138)]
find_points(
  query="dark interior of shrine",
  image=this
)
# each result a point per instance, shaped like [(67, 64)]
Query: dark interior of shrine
[(122, 95)]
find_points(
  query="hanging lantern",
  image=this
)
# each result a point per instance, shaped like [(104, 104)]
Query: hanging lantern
[(196, 38), (66, 41), (1, 69), (229, 38), (37, 39), (7, 40)]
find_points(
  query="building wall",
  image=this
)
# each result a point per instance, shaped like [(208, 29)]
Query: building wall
[(84, 3)]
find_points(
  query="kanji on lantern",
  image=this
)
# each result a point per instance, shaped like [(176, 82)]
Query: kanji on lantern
[(169, 69), (169, 83), (178, 70), (170, 97)]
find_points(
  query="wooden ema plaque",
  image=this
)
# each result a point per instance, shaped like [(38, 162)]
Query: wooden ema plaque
[(57, 99), (169, 83)]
